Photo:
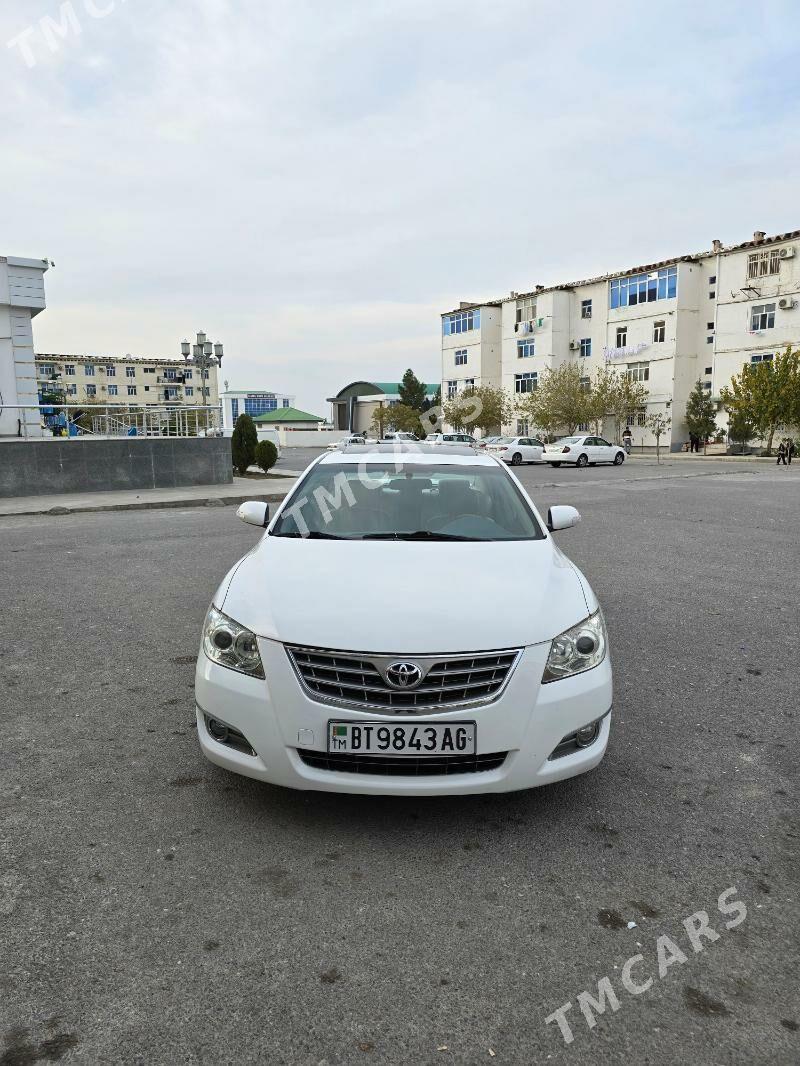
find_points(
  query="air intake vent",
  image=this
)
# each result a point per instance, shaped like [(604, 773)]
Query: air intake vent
[(406, 766)]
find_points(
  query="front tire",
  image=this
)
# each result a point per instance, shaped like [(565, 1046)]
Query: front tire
[(516, 459), (582, 460), (619, 459)]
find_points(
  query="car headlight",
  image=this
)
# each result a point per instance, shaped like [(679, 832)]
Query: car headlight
[(229, 644), (581, 648)]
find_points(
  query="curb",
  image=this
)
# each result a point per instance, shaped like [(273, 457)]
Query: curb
[(151, 505)]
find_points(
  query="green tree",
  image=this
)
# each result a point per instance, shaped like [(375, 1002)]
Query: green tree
[(243, 443), (412, 391), (266, 455), (658, 425), (626, 397), (405, 419), (481, 407), (600, 398), (381, 419), (700, 412), (559, 401), (740, 429), (767, 394)]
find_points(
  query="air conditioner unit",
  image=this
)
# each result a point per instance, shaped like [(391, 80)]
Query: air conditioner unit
[(574, 346), (786, 303), (786, 253)]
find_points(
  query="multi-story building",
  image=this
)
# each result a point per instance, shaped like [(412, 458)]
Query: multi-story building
[(253, 402), (666, 324), (134, 382)]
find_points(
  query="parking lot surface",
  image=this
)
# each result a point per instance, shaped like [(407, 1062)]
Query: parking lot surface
[(156, 909)]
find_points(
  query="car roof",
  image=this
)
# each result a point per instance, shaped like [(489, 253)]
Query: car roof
[(411, 453)]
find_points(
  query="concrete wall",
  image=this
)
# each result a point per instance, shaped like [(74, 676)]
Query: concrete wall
[(309, 438), (41, 468)]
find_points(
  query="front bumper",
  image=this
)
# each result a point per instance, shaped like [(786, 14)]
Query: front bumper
[(279, 719)]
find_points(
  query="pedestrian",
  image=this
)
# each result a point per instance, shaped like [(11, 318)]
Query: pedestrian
[(789, 450), (627, 440), (782, 450), (692, 443)]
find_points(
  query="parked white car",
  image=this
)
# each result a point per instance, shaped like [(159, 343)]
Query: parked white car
[(355, 438), (453, 438), (312, 674), (516, 450), (583, 451)]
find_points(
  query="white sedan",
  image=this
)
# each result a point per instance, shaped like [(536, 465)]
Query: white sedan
[(355, 438), (516, 450), (583, 451), (514, 692)]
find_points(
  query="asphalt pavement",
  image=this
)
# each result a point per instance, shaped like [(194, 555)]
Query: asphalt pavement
[(156, 909)]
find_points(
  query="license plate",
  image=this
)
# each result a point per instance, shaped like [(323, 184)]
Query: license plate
[(410, 738)]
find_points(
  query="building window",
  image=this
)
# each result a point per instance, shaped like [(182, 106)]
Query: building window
[(586, 385), (522, 427), (131, 390), (707, 386), (91, 390), (452, 390), (709, 325), (112, 390), (763, 264), (525, 382), (149, 370), (130, 371), (762, 317), (88, 370), (69, 370), (638, 371), (72, 390), (526, 349), (461, 322), (461, 357), (286, 403), (659, 332), (583, 427), (586, 308), (712, 280), (622, 336), (708, 370), (526, 309), (644, 288), (189, 390), (586, 347), (111, 371), (260, 403), (47, 371), (712, 295), (766, 358), (187, 375), (641, 418), (171, 394), (469, 383)]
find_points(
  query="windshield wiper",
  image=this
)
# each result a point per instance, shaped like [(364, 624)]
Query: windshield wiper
[(313, 534), (420, 534)]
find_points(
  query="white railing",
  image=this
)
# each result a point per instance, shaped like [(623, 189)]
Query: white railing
[(104, 420)]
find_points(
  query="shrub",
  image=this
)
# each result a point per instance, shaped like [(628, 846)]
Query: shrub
[(243, 443), (266, 455)]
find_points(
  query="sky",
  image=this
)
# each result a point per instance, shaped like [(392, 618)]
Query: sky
[(313, 183)]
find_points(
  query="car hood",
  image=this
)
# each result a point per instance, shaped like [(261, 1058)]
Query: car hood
[(405, 597)]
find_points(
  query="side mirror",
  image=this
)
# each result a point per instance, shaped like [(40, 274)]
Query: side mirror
[(254, 513), (560, 517)]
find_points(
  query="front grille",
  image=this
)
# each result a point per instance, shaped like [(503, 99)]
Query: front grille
[(402, 766), (360, 681)]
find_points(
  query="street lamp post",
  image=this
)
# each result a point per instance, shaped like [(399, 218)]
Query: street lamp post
[(201, 356)]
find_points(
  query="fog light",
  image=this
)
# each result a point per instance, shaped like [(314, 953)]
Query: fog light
[(217, 730), (588, 735)]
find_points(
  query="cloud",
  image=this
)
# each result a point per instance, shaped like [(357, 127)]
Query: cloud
[(312, 183)]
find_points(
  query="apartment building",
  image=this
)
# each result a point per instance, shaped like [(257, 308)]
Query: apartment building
[(135, 382), (669, 324)]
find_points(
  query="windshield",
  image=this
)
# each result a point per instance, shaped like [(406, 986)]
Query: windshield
[(373, 501), (568, 440)]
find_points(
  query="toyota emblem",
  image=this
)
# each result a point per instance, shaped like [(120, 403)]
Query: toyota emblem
[(404, 675)]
